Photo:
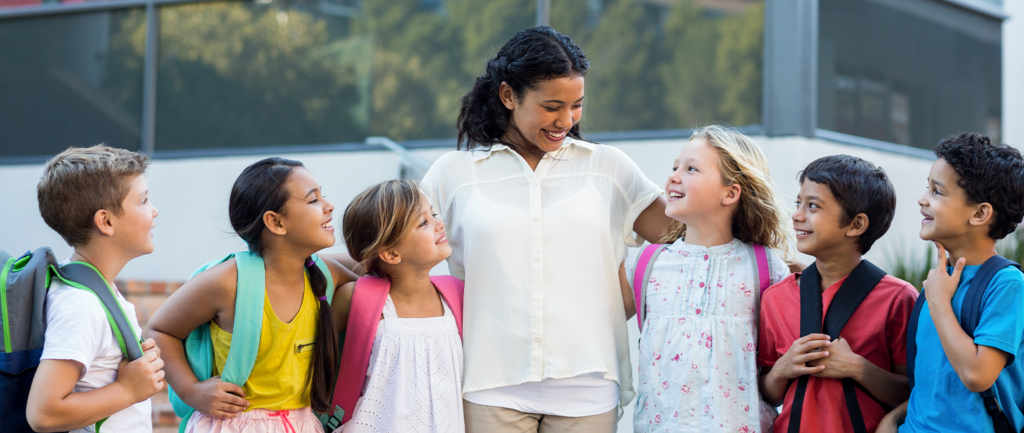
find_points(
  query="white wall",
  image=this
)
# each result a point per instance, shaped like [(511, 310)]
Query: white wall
[(1013, 74), (192, 196)]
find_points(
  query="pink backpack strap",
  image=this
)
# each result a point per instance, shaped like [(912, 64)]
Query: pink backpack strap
[(452, 290), (363, 317), (643, 268), (761, 253)]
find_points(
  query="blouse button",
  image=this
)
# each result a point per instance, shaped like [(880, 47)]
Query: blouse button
[(534, 183), (705, 257), (536, 257), (536, 299), (536, 339), (702, 285), (536, 218)]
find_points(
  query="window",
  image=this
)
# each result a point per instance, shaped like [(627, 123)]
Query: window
[(908, 72), (71, 80), (667, 64)]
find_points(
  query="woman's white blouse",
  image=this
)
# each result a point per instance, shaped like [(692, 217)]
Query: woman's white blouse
[(540, 251)]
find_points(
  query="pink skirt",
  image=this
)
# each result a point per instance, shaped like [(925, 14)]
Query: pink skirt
[(258, 421)]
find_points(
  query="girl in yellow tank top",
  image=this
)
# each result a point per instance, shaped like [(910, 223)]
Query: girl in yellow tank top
[(277, 208), (278, 378)]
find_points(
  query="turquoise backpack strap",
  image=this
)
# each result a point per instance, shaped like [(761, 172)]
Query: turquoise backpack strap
[(245, 335), (245, 338)]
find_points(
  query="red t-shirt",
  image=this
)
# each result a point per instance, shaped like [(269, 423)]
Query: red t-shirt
[(877, 330)]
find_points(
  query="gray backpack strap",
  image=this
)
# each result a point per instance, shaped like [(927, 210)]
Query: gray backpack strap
[(84, 276), (23, 286)]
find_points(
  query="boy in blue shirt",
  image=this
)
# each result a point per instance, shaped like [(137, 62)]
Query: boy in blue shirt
[(975, 197)]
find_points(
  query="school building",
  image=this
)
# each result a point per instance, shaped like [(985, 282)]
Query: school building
[(367, 90)]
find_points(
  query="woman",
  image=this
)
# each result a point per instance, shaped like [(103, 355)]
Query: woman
[(539, 221)]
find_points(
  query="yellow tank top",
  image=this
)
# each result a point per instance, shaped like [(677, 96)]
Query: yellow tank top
[(278, 380)]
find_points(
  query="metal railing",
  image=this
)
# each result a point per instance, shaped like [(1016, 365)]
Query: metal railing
[(412, 166)]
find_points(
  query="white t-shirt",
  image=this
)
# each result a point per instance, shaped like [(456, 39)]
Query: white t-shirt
[(540, 251), (77, 329)]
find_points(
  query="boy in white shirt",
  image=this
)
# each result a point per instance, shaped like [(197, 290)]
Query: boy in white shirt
[(97, 200)]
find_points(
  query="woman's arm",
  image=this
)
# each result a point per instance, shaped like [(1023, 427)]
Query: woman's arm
[(344, 260), (208, 296), (652, 222)]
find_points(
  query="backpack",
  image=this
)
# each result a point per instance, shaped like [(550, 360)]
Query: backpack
[(24, 282), (248, 325), (970, 317), (645, 263), (857, 286), (364, 315)]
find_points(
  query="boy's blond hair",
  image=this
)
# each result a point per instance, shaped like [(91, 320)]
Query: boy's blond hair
[(82, 180), (761, 217)]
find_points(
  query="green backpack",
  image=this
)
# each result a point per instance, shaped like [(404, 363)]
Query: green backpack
[(24, 282)]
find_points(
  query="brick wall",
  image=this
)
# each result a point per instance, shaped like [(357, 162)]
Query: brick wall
[(147, 297)]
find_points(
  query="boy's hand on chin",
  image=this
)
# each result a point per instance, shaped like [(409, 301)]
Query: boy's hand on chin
[(841, 362), (940, 285)]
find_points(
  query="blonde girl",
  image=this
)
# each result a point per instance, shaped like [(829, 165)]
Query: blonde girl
[(699, 333), (401, 366)]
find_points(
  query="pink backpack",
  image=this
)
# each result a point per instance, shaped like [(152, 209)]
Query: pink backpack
[(645, 263), (364, 315)]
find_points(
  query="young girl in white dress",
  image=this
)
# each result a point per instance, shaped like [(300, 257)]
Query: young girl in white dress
[(699, 337), (403, 340)]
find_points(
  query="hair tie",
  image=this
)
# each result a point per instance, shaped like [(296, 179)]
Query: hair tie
[(323, 298), (309, 263)]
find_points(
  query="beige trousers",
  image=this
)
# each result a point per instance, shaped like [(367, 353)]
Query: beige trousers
[(490, 419)]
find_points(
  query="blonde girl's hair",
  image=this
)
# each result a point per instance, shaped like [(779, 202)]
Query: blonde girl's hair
[(377, 219), (761, 218)]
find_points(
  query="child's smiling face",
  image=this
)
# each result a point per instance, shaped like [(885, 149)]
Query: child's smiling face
[(135, 223), (695, 185), (307, 213), (817, 220), (944, 206), (425, 243)]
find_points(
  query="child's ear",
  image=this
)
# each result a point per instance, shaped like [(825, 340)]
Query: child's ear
[(982, 215), (858, 226), (274, 223), (732, 195), (390, 257), (103, 220)]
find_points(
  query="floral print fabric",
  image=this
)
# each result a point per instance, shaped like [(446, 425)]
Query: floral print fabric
[(698, 346)]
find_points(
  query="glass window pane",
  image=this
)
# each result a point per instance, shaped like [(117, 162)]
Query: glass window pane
[(263, 73), (909, 72), (71, 80), (667, 64)]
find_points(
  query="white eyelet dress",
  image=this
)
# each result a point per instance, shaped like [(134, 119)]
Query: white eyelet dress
[(414, 382)]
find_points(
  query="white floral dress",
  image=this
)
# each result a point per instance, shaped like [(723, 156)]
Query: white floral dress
[(698, 345)]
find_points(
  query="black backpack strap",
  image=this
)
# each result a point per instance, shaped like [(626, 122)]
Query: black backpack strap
[(83, 276), (970, 317), (915, 316), (857, 286)]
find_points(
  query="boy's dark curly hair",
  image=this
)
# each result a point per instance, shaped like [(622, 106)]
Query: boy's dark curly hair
[(989, 173)]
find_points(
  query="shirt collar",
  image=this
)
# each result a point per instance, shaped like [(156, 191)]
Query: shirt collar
[(485, 152)]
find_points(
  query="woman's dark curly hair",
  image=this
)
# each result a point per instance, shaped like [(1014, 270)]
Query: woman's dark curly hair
[(989, 173), (529, 58)]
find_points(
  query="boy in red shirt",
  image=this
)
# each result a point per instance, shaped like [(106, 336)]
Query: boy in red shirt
[(845, 204)]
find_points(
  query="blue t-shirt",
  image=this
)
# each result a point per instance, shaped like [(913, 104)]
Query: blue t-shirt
[(940, 402)]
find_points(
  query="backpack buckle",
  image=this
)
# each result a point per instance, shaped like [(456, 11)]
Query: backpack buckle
[(991, 405)]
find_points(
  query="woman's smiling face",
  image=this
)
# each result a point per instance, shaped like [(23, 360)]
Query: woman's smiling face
[(545, 114)]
